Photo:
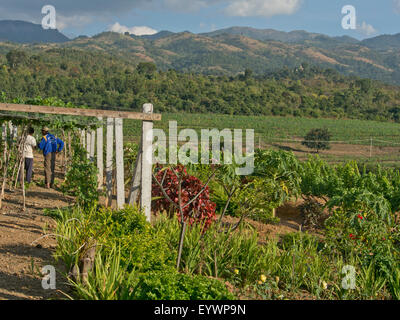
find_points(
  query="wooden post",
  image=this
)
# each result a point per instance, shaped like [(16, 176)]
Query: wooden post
[(7, 157), (109, 159), (370, 149), (119, 159), (4, 136), (23, 184), (64, 156), (147, 163), (69, 151), (100, 162)]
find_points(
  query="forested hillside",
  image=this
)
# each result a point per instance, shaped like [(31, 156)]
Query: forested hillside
[(102, 80), (229, 52)]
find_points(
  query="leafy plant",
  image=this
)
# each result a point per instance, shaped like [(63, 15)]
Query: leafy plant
[(81, 178), (171, 285), (185, 191)]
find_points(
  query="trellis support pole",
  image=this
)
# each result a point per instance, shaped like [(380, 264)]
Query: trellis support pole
[(109, 159), (147, 162), (119, 159), (100, 161)]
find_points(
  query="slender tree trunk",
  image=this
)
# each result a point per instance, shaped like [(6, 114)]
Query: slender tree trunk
[(183, 222), (181, 241), (18, 160), (23, 185), (230, 195), (5, 171)]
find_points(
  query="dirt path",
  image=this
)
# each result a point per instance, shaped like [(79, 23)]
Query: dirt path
[(21, 259)]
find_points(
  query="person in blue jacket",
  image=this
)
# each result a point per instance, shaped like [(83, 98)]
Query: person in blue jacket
[(50, 145)]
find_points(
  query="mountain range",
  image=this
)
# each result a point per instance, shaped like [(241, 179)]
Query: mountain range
[(226, 52), (26, 32)]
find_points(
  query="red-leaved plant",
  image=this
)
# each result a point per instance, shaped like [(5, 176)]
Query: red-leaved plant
[(200, 210)]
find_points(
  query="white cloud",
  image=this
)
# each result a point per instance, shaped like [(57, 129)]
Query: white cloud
[(396, 6), (367, 29), (265, 8), (138, 30)]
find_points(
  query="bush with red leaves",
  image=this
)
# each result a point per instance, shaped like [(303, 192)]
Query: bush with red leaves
[(201, 210)]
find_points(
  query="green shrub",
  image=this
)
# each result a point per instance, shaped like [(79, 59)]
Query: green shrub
[(366, 236), (142, 247), (106, 281), (171, 285), (317, 139), (81, 178)]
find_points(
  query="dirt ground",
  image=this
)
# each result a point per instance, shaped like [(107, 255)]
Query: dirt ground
[(22, 252), (290, 218), (343, 151)]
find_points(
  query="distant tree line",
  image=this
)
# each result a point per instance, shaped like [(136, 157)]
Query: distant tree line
[(98, 80)]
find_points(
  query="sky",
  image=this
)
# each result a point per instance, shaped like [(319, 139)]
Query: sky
[(90, 17)]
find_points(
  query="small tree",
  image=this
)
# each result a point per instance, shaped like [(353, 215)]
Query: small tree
[(16, 58), (146, 68), (318, 139)]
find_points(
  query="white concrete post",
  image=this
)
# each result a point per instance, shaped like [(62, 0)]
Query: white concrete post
[(147, 163), (119, 159), (12, 132), (109, 159), (100, 162), (133, 195), (83, 139), (15, 133), (92, 144), (88, 143)]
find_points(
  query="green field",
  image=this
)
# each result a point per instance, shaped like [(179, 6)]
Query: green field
[(271, 129)]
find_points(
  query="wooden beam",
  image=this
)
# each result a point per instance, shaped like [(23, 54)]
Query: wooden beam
[(79, 112)]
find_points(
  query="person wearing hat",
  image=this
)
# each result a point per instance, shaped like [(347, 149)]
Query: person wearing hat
[(50, 145)]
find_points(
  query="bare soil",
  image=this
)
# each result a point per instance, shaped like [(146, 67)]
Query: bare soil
[(339, 151), (23, 252), (290, 221)]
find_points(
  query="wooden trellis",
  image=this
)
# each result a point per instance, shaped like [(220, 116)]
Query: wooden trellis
[(143, 172)]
